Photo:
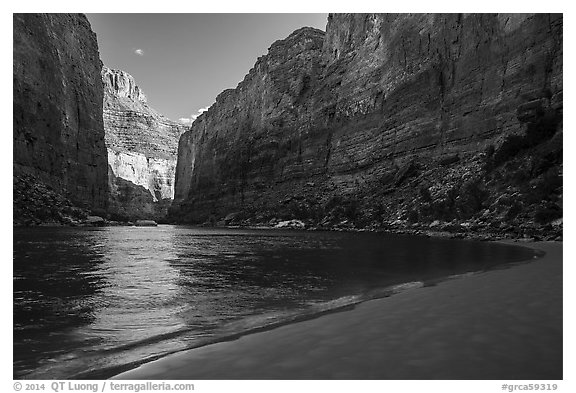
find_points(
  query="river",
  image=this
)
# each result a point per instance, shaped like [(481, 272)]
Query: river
[(92, 302)]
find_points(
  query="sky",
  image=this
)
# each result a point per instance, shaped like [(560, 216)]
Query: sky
[(183, 61)]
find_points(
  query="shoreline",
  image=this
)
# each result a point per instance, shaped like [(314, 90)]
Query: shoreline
[(328, 346), (462, 233)]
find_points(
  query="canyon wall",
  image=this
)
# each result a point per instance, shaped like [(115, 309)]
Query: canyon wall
[(58, 131), (252, 137), (350, 124), (142, 148)]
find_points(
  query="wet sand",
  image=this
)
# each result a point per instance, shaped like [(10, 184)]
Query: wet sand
[(500, 324)]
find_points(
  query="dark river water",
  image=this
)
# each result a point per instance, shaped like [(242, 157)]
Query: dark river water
[(92, 302)]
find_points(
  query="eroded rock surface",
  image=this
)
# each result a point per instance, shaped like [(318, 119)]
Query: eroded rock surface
[(58, 131), (142, 148), (387, 120)]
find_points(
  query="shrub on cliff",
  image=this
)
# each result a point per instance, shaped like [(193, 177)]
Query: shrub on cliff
[(413, 216), (547, 213), (119, 216), (344, 207), (471, 197), (513, 211), (300, 209), (543, 128), (511, 146), (545, 186), (425, 195), (540, 127)]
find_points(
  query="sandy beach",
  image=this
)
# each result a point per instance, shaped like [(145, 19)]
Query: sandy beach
[(500, 324)]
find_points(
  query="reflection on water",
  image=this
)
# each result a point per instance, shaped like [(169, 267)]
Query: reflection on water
[(89, 302)]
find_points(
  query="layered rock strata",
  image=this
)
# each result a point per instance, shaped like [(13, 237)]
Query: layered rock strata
[(383, 119), (141, 147), (58, 131)]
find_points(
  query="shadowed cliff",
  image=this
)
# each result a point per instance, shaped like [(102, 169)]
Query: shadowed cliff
[(387, 121), (58, 132)]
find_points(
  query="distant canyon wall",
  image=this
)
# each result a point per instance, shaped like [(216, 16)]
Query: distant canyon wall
[(330, 114), (58, 131), (142, 148)]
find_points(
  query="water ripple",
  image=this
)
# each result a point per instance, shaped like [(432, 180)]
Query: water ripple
[(88, 300)]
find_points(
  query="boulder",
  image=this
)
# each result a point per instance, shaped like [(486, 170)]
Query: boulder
[(291, 224), (145, 223), (95, 221), (449, 160), (435, 224), (230, 218)]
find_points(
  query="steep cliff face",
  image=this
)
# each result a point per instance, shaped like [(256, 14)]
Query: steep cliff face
[(248, 138), (348, 125), (58, 130), (442, 83), (141, 147)]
